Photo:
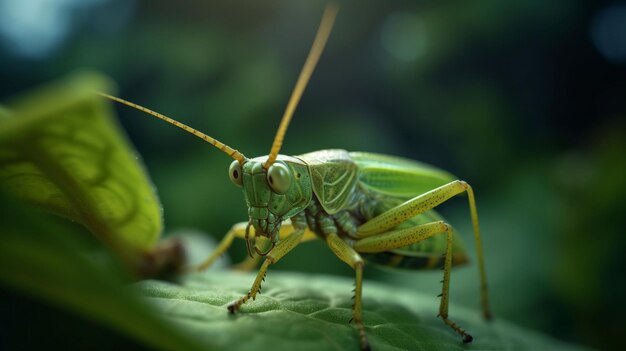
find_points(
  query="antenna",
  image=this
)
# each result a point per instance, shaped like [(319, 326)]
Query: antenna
[(328, 19), (225, 148)]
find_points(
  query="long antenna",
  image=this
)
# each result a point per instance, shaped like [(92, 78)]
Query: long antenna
[(227, 149), (328, 19)]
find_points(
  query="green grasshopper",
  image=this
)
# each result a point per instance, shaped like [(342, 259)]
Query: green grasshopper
[(365, 206)]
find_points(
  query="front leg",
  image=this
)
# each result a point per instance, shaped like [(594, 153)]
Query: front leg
[(274, 256), (239, 231)]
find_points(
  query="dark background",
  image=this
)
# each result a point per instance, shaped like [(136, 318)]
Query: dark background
[(524, 100)]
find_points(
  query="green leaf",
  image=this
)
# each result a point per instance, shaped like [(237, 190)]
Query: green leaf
[(61, 150), (46, 259), (311, 312)]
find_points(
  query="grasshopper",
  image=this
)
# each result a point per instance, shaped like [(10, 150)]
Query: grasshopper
[(365, 206)]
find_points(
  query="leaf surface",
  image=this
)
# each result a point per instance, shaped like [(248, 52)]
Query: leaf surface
[(311, 312)]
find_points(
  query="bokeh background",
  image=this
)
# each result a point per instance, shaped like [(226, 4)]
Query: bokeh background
[(524, 100)]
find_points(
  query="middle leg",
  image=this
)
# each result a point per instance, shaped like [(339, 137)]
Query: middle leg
[(348, 255)]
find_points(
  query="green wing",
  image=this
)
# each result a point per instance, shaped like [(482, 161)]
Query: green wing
[(398, 177), (334, 177)]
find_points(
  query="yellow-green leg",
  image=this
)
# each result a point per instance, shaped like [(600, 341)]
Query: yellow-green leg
[(348, 255), (223, 246), (403, 237), (423, 203), (274, 256), (239, 231)]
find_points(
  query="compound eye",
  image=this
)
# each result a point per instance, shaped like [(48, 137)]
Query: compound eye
[(279, 177), (235, 173)]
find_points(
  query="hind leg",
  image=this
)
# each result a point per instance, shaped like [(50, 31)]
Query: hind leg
[(422, 203), (403, 237)]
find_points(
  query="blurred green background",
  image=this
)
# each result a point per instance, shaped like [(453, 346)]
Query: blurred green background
[(524, 100)]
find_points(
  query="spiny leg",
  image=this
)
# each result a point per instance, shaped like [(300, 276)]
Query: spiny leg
[(403, 237), (484, 293), (422, 203), (274, 256), (419, 204), (354, 260), (239, 231)]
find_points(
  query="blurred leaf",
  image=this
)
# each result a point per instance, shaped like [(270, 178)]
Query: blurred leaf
[(308, 312), (61, 150), (44, 258)]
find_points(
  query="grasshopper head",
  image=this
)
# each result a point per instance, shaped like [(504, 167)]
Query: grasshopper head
[(276, 187), (273, 194)]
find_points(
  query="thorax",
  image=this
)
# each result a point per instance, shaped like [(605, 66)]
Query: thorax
[(361, 206)]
